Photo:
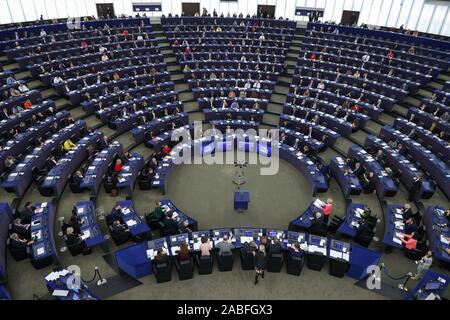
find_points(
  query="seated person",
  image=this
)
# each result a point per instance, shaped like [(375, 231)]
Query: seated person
[(23, 230), (116, 214), (317, 221), (74, 223), (170, 224), (68, 145), (27, 213), (17, 242), (119, 229), (72, 238), (183, 253), (407, 211), (275, 247), (166, 150), (184, 227), (161, 256), (158, 213), (205, 247), (410, 226), (295, 250), (368, 182), (225, 245), (77, 178)]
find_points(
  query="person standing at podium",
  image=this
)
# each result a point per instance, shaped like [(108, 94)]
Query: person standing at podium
[(260, 262)]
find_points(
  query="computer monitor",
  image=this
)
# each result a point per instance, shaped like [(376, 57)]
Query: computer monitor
[(218, 234), (272, 234), (295, 237), (248, 232), (433, 285), (196, 239), (317, 240)]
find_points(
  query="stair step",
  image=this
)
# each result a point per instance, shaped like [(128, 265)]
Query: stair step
[(444, 77), (35, 84), (373, 127), (400, 109), (61, 102), (424, 92), (285, 79), (48, 93), (176, 77), (436, 85), (173, 68), (11, 67), (191, 106), (23, 75), (186, 96), (281, 89), (271, 119), (196, 116), (278, 98), (181, 87), (275, 108), (413, 101), (386, 119)]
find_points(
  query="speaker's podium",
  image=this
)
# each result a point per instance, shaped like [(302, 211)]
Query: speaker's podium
[(241, 200)]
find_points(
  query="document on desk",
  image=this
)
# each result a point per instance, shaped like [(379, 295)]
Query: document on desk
[(319, 203), (443, 240), (335, 254), (246, 239), (125, 211), (397, 240), (40, 251), (60, 293), (86, 234), (131, 223)]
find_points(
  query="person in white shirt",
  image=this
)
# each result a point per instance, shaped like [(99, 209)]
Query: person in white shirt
[(102, 49), (43, 33), (247, 85), (243, 59), (321, 85), (23, 88), (365, 57), (57, 80), (105, 57), (257, 85), (261, 37)]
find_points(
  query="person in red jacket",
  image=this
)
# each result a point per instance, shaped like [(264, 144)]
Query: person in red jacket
[(118, 166), (27, 104), (166, 149), (327, 209)]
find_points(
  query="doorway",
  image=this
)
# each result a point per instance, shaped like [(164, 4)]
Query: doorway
[(105, 10), (266, 11), (350, 18), (190, 9)]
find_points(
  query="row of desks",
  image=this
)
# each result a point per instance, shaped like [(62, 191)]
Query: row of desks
[(21, 177), (436, 168)]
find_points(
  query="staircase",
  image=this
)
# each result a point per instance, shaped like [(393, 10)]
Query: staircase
[(176, 75), (271, 117)]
